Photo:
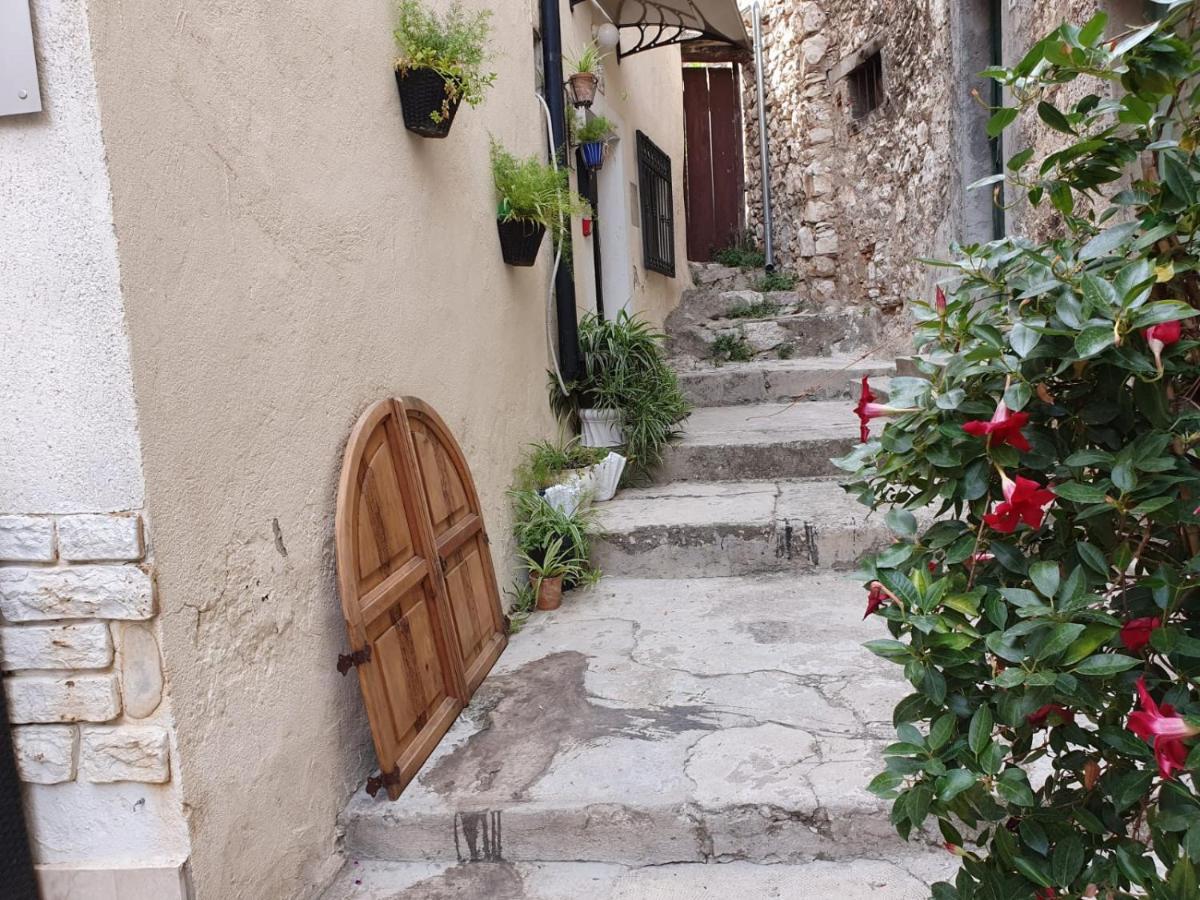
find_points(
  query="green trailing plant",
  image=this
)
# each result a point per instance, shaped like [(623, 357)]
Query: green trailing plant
[(761, 309), (597, 128), (589, 61), (547, 461), (776, 281), (786, 350), (625, 368), (537, 525), (522, 600), (534, 191), (454, 44), (731, 347), (1048, 620), (744, 253)]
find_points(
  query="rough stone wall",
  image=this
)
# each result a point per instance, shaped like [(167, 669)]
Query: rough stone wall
[(853, 202)]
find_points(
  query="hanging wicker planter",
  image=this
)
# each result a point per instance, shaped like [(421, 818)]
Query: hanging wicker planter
[(520, 240), (593, 154), (582, 88), (422, 96)]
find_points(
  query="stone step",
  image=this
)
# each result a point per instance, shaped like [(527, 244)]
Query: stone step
[(698, 305), (893, 877), (805, 333), (655, 721), (781, 380), (758, 441), (733, 528)]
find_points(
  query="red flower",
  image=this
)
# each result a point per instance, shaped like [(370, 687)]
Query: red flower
[(1004, 428), (940, 301), (1024, 501), (867, 409), (1163, 729), (875, 598), (1046, 894), (1160, 337), (1135, 634), (1042, 717)]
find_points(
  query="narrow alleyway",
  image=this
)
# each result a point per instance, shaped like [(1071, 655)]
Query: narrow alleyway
[(710, 701)]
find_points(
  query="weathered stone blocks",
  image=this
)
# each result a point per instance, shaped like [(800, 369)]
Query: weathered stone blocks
[(124, 753), (83, 645), (26, 539), (30, 594), (59, 698), (85, 538), (45, 753)]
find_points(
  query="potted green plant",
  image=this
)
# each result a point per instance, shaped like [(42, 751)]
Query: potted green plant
[(585, 76), (627, 394), (441, 62), (532, 197), (591, 137), (547, 573), (537, 526)]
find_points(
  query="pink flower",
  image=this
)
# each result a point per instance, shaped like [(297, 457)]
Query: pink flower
[(1043, 717), (875, 598), (1135, 634), (1024, 501), (1161, 336), (867, 409), (1004, 428), (940, 301), (1163, 729)]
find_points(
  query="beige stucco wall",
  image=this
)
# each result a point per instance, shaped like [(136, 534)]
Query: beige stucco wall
[(289, 253)]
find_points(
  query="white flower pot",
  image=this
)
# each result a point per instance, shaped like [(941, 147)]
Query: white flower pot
[(607, 474), (574, 491), (601, 427)]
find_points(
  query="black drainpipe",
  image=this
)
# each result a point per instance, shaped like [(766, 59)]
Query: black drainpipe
[(564, 282)]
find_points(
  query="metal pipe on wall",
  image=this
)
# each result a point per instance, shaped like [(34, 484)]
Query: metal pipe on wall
[(764, 157)]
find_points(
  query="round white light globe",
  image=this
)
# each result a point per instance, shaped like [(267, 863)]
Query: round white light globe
[(608, 36)]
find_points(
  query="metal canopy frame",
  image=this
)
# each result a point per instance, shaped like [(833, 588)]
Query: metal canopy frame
[(662, 23)]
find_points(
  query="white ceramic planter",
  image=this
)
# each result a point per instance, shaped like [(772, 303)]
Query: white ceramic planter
[(572, 492), (601, 427), (607, 475)]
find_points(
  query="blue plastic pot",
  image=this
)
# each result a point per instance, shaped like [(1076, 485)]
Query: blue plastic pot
[(593, 154)]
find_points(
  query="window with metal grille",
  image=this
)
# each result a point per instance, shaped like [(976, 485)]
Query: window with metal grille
[(866, 86), (658, 207)]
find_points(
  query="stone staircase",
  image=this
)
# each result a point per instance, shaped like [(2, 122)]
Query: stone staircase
[(709, 701)]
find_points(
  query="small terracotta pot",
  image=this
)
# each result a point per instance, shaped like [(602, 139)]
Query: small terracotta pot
[(583, 89), (549, 592)]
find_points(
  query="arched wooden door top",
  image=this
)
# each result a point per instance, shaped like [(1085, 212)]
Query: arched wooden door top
[(416, 581)]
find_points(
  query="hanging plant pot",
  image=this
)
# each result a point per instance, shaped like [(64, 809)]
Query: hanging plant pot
[(593, 155), (601, 427), (422, 95), (549, 592), (520, 240), (582, 86)]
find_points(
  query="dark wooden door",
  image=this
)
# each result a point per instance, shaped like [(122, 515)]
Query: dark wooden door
[(406, 627), (714, 179)]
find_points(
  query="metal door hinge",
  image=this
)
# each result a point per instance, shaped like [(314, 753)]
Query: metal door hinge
[(347, 661), (383, 780)]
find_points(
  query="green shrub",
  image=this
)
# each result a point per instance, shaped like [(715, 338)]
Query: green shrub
[(762, 309), (786, 351), (744, 253), (731, 347), (776, 281), (454, 44), (535, 191), (1056, 602), (597, 128), (624, 368), (537, 526)]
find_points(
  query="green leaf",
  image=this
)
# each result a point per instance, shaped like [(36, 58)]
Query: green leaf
[(1060, 638), (888, 649), (1107, 241), (1051, 115), (1088, 35), (1105, 664), (1082, 493), (954, 783), (1092, 558), (1093, 340), (942, 731), (1001, 119), (1023, 339), (980, 731), (901, 521), (1093, 636), (1045, 576), (1066, 862), (1013, 786)]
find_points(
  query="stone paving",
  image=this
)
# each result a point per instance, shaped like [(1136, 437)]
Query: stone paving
[(700, 724)]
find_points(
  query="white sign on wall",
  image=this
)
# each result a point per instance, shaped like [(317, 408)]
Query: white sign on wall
[(18, 66)]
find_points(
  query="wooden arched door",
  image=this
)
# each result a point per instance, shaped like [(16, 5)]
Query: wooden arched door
[(418, 589)]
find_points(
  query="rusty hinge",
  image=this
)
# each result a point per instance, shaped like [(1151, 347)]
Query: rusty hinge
[(347, 661), (383, 780)]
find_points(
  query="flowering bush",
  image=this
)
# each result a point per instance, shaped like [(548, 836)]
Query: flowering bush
[(1043, 595)]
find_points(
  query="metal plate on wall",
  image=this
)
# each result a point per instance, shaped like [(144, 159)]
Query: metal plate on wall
[(18, 66)]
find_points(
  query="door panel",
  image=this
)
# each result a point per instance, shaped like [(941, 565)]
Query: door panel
[(418, 590), (714, 178)]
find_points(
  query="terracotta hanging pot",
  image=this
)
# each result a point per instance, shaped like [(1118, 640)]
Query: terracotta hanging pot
[(549, 592), (583, 89)]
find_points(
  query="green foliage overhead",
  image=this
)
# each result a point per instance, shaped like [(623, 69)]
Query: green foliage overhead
[(454, 44), (535, 191), (624, 368), (597, 128), (1049, 618)]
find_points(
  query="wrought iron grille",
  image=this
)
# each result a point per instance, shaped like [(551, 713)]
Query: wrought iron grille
[(658, 207), (866, 86)]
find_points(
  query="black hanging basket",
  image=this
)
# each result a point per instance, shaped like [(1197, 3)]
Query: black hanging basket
[(422, 93), (520, 240)]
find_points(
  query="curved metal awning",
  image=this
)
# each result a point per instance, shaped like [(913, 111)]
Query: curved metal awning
[(661, 23)]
